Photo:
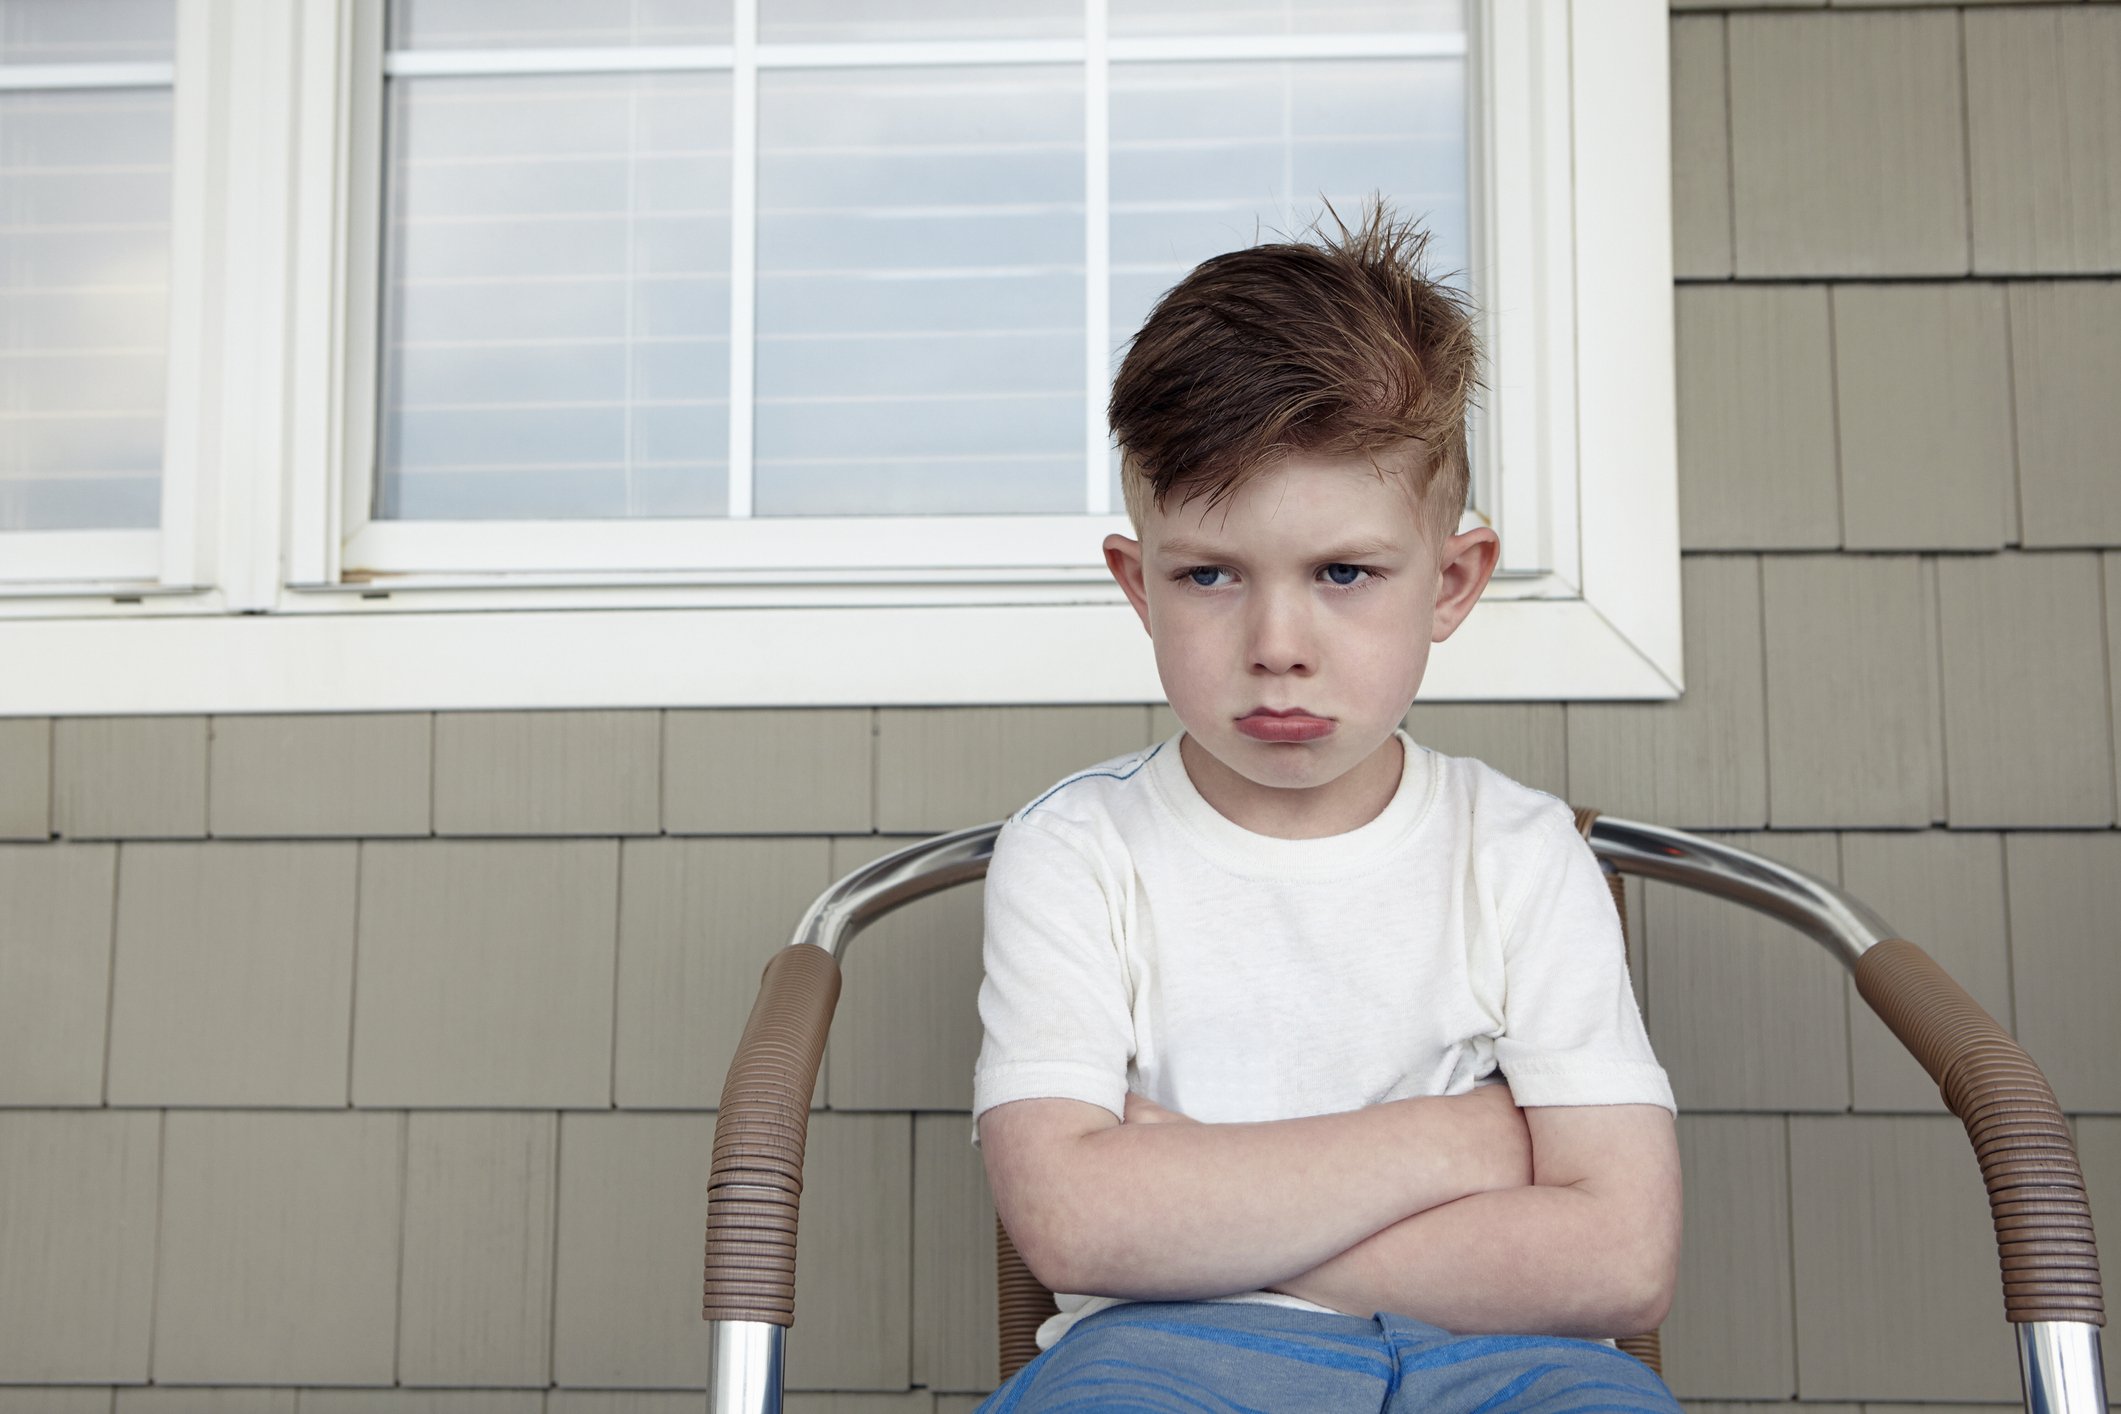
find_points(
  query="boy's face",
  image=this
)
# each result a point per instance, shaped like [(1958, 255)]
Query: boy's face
[(1292, 625)]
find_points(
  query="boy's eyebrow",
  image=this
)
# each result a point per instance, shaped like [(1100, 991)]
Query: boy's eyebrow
[(1182, 549)]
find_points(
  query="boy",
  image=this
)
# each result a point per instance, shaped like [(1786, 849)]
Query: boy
[(1251, 995)]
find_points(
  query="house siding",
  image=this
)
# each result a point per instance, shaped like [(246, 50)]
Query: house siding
[(367, 1062)]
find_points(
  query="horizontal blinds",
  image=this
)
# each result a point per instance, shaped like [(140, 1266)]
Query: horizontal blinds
[(568, 24), (920, 292), (556, 300), (557, 257), (86, 31), (908, 21), (1130, 18), (1208, 157), (84, 264)]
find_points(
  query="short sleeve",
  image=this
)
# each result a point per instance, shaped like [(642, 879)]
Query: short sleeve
[(1054, 1001), (1572, 1034)]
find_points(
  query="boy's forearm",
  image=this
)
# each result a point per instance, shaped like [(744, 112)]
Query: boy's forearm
[(1532, 1260), (1185, 1211)]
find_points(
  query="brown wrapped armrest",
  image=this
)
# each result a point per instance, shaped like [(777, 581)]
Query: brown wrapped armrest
[(757, 1178), (1647, 1347), (2035, 1187)]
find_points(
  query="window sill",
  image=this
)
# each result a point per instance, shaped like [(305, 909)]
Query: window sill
[(360, 657)]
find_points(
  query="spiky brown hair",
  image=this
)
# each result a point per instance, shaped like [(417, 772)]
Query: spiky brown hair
[(1330, 347)]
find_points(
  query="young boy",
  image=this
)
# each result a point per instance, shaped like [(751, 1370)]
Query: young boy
[(1252, 995)]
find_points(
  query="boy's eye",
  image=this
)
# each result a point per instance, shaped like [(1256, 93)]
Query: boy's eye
[(1344, 575), (1205, 575)]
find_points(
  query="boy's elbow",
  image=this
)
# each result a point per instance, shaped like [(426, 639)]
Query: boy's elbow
[(1068, 1246), (1054, 1226), (1646, 1276), (1645, 1304), (1042, 1191), (1047, 1252)]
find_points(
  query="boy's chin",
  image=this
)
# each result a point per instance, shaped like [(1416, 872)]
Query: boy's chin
[(1285, 765)]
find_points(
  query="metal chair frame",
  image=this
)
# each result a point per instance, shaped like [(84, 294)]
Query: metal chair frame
[(2050, 1272)]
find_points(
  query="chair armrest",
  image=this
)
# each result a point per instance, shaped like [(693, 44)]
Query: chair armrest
[(756, 1183), (2028, 1160)]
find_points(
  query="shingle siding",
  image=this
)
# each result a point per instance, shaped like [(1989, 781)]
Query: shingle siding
[(278, 1258), (1891, 1239), (2043, 118), (364, 1063), (2065, 348), (1757, 461), (1848, 153), (55, 955), (1922, 399), (25, 778)]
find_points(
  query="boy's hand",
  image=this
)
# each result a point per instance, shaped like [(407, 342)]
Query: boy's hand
[(1140, 1109)]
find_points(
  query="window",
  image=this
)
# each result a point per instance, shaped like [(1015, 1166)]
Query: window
[(664, 354), (84, 262)]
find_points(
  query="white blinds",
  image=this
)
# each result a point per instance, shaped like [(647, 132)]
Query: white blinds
[(556, 300), (537, 24), (920, 321), (84, 261), (557, 266)]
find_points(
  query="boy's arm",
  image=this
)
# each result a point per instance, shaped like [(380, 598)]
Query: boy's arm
[(1590, 1249), (1184, 1211)]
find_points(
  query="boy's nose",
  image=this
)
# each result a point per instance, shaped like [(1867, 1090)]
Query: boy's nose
[(1280, 635)]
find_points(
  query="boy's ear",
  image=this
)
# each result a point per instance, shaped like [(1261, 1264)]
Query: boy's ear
[(1124, 558), (1463, 567)]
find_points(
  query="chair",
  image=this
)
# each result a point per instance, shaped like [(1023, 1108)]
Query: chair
[(2050, 1266)]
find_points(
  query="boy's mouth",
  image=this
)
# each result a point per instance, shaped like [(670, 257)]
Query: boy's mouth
[(1295, 724)]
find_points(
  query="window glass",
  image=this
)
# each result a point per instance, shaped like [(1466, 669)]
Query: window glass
[(84, 263), (550, 24), (1208, 157), (845, 21), (920, 314), (556, 306), (1229, 17), (556, 297), (86, 31)]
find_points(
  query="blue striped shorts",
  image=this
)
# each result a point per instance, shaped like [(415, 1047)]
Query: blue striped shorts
[(1203, 1357)]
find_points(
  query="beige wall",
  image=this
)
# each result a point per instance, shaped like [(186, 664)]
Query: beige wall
[(353, 1052)]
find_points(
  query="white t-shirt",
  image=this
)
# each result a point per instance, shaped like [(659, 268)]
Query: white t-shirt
[(1137, 939)]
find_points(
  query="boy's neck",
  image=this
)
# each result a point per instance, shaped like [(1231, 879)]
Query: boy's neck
[(1345, 803)]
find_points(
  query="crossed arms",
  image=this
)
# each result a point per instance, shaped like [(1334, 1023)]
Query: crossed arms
[(1463, 1211)]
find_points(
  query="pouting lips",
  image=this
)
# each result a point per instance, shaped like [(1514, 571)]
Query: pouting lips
[(1294, 727)]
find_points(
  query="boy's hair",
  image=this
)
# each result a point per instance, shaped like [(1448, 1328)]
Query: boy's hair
[(1340, 347)]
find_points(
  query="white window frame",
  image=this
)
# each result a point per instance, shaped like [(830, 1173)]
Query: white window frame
[(264, 591)]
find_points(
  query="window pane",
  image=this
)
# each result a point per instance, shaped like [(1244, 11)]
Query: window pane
[(1208, 157), (86, 31), (920, 292), (84, 269), (845, 21), (556, 24), (1222, 17), (556, 307)]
